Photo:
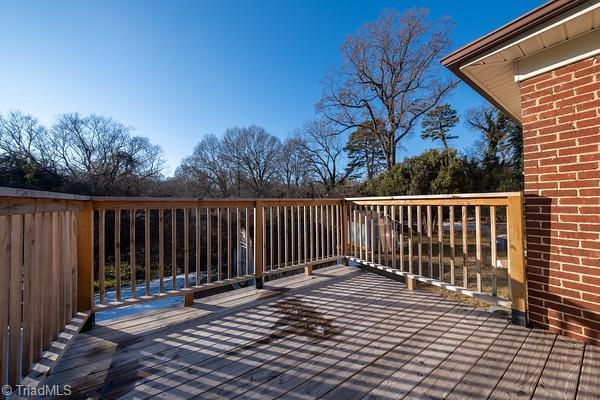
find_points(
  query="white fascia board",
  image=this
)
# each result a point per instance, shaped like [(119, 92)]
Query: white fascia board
[(577, 49), (585, 8)]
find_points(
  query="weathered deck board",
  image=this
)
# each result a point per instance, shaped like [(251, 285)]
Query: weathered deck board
[(291, 337), (341, 333), (482, 378), (561, 372), (589, 383), (440, 382), (521, 378)]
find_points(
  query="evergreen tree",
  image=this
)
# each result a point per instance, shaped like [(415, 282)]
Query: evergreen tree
[(438, 122)]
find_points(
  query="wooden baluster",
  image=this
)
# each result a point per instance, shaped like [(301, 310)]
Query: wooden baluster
[(278, 237), (265, 240), (238, 225), (118, 254), (493, 249), (305, 235), (312, 237), (321, 233), (401, 219), (465, 234), (410, 240), (101, 256), (341, 223), (441, 242), (478, 243), (316, 231), (430, 241), (161, 250), (54, 278), (393, 244), (247, 241), (208, 245), (360, 231), (186, 248), (47, 276), (85, 257), (29, 266), (132, 269), (38, 282), (5, 286), (420, 235), (147, 249), (219, 245), (327, 231), (356, 233), (198, 252), (174, 248), (259, 223), (366, 237), (372, 226), (229, 243), (378, 231), (271, 245), (285, 236), (293, 236), (452, 247), (14, 307)]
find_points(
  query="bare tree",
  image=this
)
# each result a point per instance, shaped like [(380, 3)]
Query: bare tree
[(293, 167), (389, 73), (208, 169), (22, 137), (255, 153), (100, 154), (323, 153)]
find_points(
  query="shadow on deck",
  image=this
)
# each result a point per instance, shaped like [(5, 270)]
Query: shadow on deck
[(342, 333)]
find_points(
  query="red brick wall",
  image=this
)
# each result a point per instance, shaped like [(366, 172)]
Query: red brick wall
[(561, 133)]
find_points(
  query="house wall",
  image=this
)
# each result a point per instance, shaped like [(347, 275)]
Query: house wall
[(561, 133)]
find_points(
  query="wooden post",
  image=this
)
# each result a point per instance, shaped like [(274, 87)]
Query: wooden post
[(344, 232), (188, 299), (308, 270), (411, 283), (516, 259), (85, 262), (258, 244)]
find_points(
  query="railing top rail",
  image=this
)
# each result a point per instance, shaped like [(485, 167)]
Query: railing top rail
[(39, 194), (104, 201), (439, 196)]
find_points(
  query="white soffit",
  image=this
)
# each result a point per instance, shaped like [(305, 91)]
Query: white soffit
[(570, 37)]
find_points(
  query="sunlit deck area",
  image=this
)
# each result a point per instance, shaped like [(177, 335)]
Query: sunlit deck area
[(341, 333)]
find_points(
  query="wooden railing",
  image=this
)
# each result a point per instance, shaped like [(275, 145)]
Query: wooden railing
[(38, 276), (64, 257), (470, 243), (181, 246)]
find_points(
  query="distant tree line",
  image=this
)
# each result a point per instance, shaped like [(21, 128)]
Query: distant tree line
[(388, 87)]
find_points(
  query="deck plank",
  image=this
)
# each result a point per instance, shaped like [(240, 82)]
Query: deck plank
[(159, 381), (481, 380), (342, 333), (561, 373), (589, 383), (258, 368), (522, 376), (420, 337), (210, 339), (313, 362), (440, 382)]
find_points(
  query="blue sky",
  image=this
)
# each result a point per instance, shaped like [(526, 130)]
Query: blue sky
[(176, 70)]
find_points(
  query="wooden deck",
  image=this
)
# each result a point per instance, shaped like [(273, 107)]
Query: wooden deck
[(341, 334)]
